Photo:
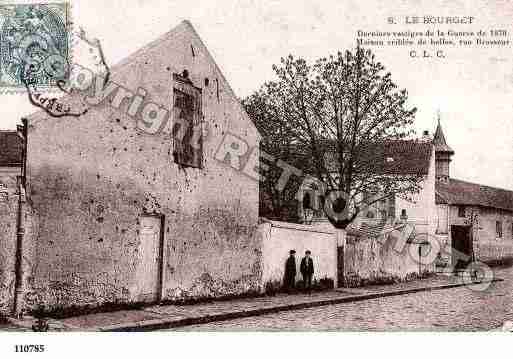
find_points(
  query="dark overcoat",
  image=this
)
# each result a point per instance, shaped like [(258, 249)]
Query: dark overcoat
[(290, 269), (307, 267)]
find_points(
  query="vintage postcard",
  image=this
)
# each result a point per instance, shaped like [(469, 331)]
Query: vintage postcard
[(255, 166)]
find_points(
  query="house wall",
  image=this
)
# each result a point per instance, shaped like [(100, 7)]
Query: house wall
[(91, 178), (421, 207), (455, 219), (8, 229), (278, 238), (487, 247), (490, 248), (442, 236), (442, 216)]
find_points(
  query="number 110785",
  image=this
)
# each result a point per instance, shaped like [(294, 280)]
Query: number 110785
[(29, 348)]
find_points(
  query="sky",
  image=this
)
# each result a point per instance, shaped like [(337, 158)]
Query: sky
[(471, 87)]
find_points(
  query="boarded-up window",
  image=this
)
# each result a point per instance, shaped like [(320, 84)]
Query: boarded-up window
[(187, 129)]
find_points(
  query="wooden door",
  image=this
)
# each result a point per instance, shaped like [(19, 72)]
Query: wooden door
[(148, 275)]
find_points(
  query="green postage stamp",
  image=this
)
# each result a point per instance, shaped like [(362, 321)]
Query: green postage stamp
[(34, 44)]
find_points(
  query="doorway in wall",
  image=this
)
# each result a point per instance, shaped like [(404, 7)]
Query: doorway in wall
[(461, 246), (148, 279)]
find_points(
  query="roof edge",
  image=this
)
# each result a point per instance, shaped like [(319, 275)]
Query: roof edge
[(229, 86), (482, 185), (132, 56)]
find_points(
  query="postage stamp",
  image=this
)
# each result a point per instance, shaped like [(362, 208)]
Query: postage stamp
[(34, 44)]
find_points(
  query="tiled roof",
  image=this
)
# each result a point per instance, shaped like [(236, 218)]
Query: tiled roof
[(466, 193), (394, 157), (406, 157), (11, 149)]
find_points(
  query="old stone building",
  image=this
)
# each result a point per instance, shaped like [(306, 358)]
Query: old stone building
[(475, 222), (122, 209)]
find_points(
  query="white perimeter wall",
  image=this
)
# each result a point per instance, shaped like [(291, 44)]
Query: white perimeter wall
[(278, 238)]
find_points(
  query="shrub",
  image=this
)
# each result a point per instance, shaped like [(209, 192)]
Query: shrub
[(273, 287), (319, 285), (326, 283)]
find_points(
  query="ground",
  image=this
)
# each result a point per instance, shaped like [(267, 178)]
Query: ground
[(457, 309), (437, 303)]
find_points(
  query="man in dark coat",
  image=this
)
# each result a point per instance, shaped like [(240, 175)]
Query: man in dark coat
[(289, 280), (307, 270)]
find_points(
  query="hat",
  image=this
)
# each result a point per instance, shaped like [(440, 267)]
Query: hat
[(308, 252), (292, 251)]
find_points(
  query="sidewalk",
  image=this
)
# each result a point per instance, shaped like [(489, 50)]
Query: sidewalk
[(9, 327), (174, 316)]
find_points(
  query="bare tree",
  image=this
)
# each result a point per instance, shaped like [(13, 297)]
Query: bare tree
[(277, 201), (341, 115)]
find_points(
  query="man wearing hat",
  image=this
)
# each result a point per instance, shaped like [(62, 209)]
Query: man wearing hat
[(289, 280), (307, 270)]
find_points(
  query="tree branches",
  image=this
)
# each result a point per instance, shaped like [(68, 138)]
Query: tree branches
[(336, 120)]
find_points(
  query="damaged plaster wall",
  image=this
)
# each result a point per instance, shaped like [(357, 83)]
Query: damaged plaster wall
[(8, 217), (370, 260), (91, 178)]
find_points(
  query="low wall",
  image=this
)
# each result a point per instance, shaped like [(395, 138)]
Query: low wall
[(366, 260), (278, 238), (369, 260)]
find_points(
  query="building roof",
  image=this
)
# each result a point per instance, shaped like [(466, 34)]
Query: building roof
[(175, 34), (389, 157), (459, 192), (406, 157), (11, 149), (439, 140), (395, 157)]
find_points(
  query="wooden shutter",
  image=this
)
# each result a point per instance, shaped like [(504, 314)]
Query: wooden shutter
[(188, 149)]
